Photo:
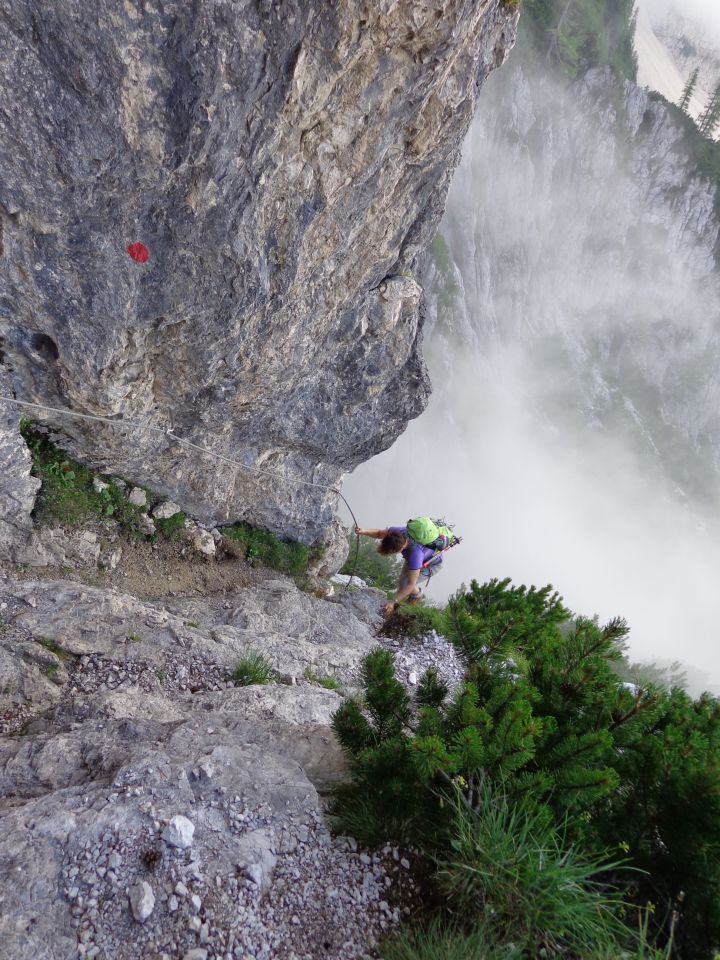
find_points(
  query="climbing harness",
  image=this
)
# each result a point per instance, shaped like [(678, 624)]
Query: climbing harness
[(194, 446)]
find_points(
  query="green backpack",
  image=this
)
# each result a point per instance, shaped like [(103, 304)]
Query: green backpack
[(431, 533)]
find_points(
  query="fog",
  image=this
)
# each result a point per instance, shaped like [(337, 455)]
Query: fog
[(574, 431), (705, 12)]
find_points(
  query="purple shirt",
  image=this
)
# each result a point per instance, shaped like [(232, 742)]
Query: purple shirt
[(414, 555)]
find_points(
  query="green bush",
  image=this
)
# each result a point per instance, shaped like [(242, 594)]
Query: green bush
[(542, 718), (264, 547), (253, 668), (365, 562)]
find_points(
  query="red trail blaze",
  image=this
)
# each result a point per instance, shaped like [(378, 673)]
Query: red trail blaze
[(139, 252)]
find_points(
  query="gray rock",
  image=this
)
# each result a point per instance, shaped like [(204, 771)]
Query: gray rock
[(165, 510), (287, 191), (142, 900), (197, 953), (345, 579), (17, 487), (146, 524), (202, 541), (60, 548), (137, 497), (110, 558), (255, 857), (179, 832)]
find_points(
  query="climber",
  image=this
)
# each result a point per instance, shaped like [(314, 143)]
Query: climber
[(420, 562)]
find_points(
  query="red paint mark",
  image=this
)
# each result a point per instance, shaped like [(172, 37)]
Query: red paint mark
[(139, 252)]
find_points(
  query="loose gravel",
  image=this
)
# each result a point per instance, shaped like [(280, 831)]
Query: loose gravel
[(136, 896), (415, 655)]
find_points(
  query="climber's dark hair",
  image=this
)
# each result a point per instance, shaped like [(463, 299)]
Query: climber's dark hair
[(392, 542)]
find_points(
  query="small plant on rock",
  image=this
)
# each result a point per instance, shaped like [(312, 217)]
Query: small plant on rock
[(329, 683), (170, 527), (67, 494), (253, 668)]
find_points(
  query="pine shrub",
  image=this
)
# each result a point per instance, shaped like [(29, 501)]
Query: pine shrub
[(542, 718)]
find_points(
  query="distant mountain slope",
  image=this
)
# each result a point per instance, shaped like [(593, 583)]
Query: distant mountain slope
[(661, 68)]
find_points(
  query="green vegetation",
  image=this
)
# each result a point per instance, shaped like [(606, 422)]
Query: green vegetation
[(67, 495), (437, 940), (366, 563), (55, 648), (513, 857), (52, 670), (170, 526), (703, 153), (688, 90), (525, 786), (576, 35), (263, 547), (253, 668), (711, 115), (330, 683)]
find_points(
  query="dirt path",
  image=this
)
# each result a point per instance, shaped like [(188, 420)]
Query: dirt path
[(150, 571)]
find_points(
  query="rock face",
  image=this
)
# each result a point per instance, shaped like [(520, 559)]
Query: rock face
[(17, 487), (284, 164)]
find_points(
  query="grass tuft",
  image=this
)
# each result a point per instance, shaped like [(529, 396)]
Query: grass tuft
[(330, 683), (436, 941), (510, 864), (170, 526), (253, 668)]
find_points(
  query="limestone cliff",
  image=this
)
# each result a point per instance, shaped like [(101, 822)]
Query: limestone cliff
[(283, 163)]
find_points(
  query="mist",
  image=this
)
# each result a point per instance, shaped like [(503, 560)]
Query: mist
[(706, 13), (574, 429)]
